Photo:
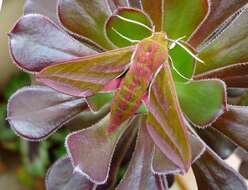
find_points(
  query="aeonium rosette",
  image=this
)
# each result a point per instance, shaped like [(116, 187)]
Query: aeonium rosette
[(152, 65)]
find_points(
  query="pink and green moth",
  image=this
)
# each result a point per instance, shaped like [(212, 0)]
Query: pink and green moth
[(139, 73)]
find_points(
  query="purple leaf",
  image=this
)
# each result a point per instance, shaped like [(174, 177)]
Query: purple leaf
[(87, 118), (135, 3), (122, 154), (114, 4), (212, 173), (219, 11), (234, 75), (62, 176), (36, 42), (217, 141), (243, 169), (91, 150), (229, 47), (139, 175), (88, 75), (155, 11), (36, 112), (45, 7), (234, 125), (162, 165)]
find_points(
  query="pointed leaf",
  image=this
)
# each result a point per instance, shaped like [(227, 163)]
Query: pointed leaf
[(243, 169), (230, 47), (127, 26), (162, 165), (85, 19), (36, 42), (165, 120), (86, 76), (121, 155), (219, 12), (217, 141), (213, 174), (233, 124), (234, 75), (139, 175), (114, 4), (156, 11), (45, 7), (193, 96), (91, 150), (62, 176), (35, 112), (181, 18)]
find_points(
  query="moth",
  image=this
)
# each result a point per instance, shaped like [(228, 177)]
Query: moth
[(136, 74)]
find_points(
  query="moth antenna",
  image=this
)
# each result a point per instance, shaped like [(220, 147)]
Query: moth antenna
[(193, 55), (175, 69), (174, 42), (177, 42), (124, 37), (134, 22), (153, 28)]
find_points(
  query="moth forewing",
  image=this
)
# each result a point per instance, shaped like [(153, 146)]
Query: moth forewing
[(165, 121)]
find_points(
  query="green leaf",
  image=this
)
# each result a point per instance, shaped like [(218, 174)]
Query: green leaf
[(17, 81), (35, 157), (202, 101), (182, 17), (183, 62), (99, 100), (165, 121), (128, 26), (88, 75), (85, 19)]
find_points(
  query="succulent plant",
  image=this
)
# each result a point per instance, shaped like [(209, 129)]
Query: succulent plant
[(139, 83)]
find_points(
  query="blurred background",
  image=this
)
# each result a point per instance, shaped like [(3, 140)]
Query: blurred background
[(23, 164)]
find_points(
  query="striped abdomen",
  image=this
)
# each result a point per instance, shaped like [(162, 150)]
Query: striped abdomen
[(149, 56)]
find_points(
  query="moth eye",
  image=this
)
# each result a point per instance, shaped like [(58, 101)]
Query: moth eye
[(149, 50), (148, 54)]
